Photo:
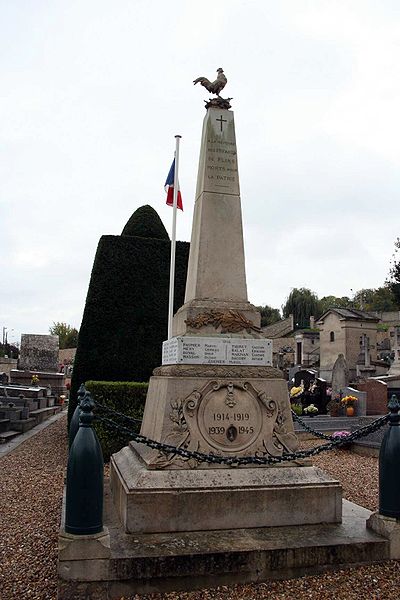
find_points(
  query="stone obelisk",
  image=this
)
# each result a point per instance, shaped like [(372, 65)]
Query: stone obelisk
[(217, 392), (216, 274)]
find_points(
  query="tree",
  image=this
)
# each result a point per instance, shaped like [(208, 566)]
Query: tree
[(269, 315), (393, 281), (328, 302), (379, 299), (68, 336), (302, 303)]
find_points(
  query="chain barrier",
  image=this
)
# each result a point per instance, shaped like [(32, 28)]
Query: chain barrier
[(317, 434), (261, 459), (324, 436), (115, 412)]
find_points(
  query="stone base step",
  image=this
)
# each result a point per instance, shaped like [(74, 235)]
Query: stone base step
[(328, 424), (24, 424), (42, 414), (4, 424), (7, 436), (148, 563)]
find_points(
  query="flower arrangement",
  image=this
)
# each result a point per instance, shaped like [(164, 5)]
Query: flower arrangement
[(349, 401), (297, 408), (340, 434), (61, 399), (35, 380), (311, 409), (295, 392)]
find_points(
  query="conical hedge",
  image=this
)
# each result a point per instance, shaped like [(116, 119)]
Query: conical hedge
[(126, 312), (145, 223)]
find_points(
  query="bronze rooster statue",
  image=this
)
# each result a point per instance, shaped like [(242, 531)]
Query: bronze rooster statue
[(214, 87)]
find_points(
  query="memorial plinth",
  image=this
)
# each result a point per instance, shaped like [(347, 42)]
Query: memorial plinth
[(216, 391)]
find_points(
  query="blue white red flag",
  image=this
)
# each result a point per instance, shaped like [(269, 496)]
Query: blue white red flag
[(169, 188)]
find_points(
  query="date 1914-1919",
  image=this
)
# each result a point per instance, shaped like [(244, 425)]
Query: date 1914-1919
[(231, 417)]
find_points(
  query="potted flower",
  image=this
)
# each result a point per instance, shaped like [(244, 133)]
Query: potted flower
[(61, 400), (349, 402), (341, 435), (35, 380), (297, 408), (311, 410), (296, 392)]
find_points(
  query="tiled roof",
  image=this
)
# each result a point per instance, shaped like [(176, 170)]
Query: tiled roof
[(279, 329), (352, 314)]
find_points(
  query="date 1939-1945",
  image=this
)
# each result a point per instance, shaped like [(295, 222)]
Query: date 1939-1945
[(221, 430)]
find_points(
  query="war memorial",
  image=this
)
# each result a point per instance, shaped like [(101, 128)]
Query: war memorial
[(218, 495)]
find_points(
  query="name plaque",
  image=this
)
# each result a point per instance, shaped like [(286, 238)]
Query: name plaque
[(196, 350)]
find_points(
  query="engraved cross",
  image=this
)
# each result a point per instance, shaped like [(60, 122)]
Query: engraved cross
[(221, 120)]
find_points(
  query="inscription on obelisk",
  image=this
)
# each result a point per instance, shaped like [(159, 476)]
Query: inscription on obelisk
[(218, 164)]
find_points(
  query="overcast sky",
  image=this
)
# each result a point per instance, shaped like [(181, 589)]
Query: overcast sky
[(94, 91)]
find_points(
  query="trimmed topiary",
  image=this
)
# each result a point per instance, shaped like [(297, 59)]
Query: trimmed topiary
[(146, 223), (125, 319), (125, 397)]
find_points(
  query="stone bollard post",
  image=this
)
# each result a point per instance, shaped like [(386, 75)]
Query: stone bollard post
[(84, 496), (74, 424), (389, 465), (386, 521)]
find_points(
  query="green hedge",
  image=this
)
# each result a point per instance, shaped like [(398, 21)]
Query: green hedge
[(125, 397), (126, 312)]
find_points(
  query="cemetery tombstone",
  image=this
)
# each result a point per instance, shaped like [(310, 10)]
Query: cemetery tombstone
[(39, 352)]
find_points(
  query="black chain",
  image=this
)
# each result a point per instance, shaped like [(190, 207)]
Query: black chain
[(245, 460), (115, 412), (317, 434), (324, 436)]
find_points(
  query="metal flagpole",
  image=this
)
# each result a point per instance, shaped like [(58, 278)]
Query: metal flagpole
[(173, 241)]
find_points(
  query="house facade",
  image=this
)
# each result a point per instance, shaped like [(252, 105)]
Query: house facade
[(349, 332)]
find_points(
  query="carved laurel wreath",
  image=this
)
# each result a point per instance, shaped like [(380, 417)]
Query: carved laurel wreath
[(230, 321)]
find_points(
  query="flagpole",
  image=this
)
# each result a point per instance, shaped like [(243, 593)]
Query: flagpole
[(173, 240)]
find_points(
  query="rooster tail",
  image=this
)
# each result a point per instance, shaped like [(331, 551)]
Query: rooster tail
[(202, 80)]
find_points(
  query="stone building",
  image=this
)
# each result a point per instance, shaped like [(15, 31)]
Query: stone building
[(348, 332), (307, 347)]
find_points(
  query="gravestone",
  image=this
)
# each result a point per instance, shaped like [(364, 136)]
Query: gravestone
[(340, 375), (395, 366), (216, 391), (39, 356), (39, 353)]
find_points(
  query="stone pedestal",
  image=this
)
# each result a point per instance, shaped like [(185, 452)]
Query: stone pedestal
[(195, 408), (389, 528), (155, 501)]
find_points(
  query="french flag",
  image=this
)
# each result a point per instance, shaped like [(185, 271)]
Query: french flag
[(169, 188)]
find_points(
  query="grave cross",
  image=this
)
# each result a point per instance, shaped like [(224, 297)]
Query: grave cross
[(221, 120)]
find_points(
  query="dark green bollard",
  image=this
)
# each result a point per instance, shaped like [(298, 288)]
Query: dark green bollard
[(389, 465), (84, 498), (74, 424)]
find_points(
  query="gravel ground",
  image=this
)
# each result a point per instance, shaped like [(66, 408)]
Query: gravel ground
[(31, 486)]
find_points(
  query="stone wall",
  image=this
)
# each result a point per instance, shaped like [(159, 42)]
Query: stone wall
[(346, 340), (286, 360), (330, 350), (6, 364), (66, 356)]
